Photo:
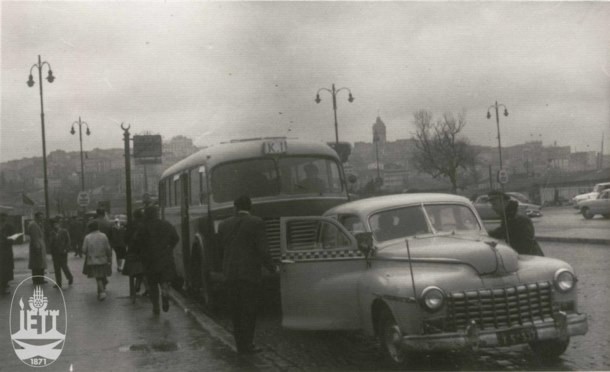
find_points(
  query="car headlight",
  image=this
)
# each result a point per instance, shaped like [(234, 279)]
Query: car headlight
[(564, 280), (432, 299)]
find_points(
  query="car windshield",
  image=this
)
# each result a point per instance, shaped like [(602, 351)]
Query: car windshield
[(420, 220), (262, 177)]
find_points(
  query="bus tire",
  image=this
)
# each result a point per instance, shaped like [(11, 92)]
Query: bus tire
[(200, 277)]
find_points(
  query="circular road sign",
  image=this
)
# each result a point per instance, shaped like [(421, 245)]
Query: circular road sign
[(83, 199), (503, 176)]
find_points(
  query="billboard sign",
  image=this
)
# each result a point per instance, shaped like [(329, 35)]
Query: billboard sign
[(147, 146)]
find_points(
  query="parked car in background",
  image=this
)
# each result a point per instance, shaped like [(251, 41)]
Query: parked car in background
[(601, 205), (419, 272), (590, 195), (526, 208)]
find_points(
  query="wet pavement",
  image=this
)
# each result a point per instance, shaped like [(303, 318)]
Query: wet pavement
[(118, 335)]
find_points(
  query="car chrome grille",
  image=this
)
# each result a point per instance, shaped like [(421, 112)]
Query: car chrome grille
[(498, 308)]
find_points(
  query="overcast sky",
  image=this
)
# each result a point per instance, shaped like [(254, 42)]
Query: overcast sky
[(220, 70)]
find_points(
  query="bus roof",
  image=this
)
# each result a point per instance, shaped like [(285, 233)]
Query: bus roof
[(246, 149)]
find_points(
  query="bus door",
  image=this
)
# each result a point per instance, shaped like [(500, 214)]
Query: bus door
[(184, 219)]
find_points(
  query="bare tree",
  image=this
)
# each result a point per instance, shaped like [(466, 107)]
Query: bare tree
[(440, 152)]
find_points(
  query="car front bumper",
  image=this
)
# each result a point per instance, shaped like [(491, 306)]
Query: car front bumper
[(562, 326)]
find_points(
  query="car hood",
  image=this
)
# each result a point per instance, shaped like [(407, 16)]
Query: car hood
[(589, 195), (482, 253)]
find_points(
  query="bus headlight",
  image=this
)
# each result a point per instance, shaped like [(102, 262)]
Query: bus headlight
[(432, 299), (564, 280)]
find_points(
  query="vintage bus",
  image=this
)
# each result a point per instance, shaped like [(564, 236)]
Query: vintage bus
[(197, 193)]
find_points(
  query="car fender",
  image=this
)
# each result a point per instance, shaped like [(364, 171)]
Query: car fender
[(389, 283)]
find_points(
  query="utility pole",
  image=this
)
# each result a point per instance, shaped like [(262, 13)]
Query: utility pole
[(126, 139)]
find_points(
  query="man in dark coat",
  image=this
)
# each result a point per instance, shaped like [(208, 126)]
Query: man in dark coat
[(517, 230), (38, 249), (102, 222), (158, 239), (76, 229), (7, 265), (60, 246), (244, 245)]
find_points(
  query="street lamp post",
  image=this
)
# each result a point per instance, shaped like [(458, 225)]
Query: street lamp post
[(496, 106), (30, 82), (334, 93), (80, 139)]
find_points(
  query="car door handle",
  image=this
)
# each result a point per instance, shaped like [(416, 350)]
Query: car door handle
[(287, 261)]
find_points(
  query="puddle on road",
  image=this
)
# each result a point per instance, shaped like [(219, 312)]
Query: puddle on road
[(163, 346)]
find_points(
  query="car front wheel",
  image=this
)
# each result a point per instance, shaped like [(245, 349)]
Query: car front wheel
[(586, 213), (390, 338), (550, 349)]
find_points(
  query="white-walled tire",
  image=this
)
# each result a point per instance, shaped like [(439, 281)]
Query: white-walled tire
[(390, 338)]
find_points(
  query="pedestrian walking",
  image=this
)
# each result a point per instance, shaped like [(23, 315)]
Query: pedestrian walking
[(7, 265), (98, 258), (76, 229), (103, 224), (244, 245), (117, 241), (517, 230), (38, 249), (133, 259), (60, 246), (157, 241)]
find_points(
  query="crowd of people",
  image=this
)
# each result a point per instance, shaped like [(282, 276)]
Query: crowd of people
[(143, 250)]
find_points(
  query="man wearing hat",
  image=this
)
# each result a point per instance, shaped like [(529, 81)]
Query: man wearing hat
[(245, 251), (60, 245), (517, 230)]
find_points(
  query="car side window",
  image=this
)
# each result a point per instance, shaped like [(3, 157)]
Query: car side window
[(331, 237), (352, 223)]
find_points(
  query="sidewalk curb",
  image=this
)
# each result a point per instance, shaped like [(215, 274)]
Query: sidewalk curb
[(203, 320), (573, 240), (257, 361)]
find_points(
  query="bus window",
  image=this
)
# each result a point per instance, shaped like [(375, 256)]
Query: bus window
[(309, 175), (255, 177), (203, 185), (168, 193), (194, 187), (177, 190)]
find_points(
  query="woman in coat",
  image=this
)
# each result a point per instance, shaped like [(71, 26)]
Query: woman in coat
[(98, 258)]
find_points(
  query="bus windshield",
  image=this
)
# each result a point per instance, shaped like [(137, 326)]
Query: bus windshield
[(261, 177)]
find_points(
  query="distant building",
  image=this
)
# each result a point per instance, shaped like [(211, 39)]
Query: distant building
[(583, 161), (178, 147)]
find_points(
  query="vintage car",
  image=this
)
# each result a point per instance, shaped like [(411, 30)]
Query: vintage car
[(589, 195), (526, 207), (419, 272), (601, 205)]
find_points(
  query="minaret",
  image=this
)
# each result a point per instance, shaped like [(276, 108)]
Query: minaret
[(380, 131)]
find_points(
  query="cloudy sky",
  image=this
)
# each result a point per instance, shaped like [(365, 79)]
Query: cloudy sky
[(220, 70)]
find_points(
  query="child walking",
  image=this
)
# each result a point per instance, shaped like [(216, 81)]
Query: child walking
[(98, 258)]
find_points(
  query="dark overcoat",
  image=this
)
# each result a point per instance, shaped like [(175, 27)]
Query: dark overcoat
[(158, 239), (38, 248), (521, 234), (245, 250)]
